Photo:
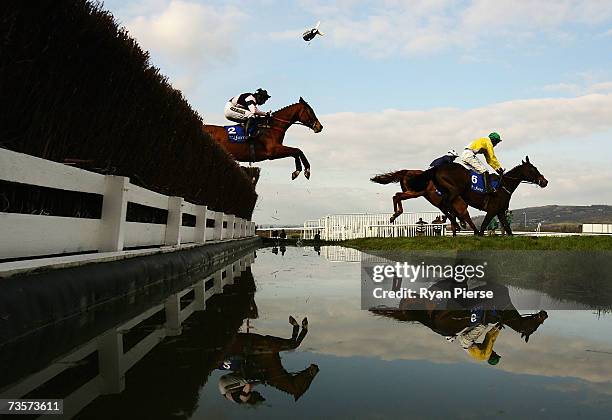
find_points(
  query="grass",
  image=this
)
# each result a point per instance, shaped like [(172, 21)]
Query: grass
[(574, 243)]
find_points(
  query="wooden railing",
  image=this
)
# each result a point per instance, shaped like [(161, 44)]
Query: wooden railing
[(27, 235)]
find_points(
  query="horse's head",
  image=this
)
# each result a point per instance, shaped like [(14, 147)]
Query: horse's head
[(306, 116), (527, 172)]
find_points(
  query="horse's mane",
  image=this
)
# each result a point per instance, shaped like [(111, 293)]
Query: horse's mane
[(516, 167), (285, 107)]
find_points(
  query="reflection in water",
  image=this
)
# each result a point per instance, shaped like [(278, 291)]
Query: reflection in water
[(254, 359), (467, 320), (180, 340), (221, 348)]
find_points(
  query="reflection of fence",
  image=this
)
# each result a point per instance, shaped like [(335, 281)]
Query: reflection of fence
[(113, 361), (341, 254), (350, 226), (336, 253), (26, 235)]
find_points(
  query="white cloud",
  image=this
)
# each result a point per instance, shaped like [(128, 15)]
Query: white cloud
[(190, 37), (409, 27)]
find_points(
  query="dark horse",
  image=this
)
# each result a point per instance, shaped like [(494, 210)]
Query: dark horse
[(459, 207), (254, 359), (268, 143), (453, 180), (449, 318)]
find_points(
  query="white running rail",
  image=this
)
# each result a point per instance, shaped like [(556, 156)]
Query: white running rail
[(339, 227), (30, 235)]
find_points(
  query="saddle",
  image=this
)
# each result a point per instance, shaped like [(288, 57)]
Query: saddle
[(478, 182), (236, 133)]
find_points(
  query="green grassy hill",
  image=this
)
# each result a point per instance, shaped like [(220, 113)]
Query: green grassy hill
[(558, 218)]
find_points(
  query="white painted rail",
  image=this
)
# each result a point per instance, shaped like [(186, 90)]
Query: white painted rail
[(30, 235), (337, 227)]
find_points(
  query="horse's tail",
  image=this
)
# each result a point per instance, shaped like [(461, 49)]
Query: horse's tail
[(389, 177), (419, 182)]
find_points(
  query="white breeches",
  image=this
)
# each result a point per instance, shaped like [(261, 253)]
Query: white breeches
[(236, 114), (469, 158)]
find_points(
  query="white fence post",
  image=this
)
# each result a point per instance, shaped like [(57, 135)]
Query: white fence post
[(230, 226), (218, 225), (200, 227), (240, 228), (174, 222), (114, 209)]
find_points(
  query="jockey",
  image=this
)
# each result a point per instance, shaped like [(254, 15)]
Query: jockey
[(480, 351), (483, 145), (243, 108)]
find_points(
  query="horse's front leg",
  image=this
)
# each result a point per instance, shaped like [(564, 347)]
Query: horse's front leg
[(280, 152), (461, 210), (306, 164), (398, 209)]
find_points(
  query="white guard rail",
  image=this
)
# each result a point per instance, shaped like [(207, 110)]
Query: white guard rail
[(28, 235)]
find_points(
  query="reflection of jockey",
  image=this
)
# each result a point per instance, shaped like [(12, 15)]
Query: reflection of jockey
[(483, 146), (243, 108), (480, 351), (236, 388)]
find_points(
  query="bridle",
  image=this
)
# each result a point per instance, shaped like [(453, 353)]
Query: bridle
[(521, 181), (290, 123)]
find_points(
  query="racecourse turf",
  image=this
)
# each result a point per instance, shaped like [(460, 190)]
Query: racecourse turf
[(583, 243)]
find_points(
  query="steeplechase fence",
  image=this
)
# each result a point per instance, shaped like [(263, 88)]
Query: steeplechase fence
[(32, 235)]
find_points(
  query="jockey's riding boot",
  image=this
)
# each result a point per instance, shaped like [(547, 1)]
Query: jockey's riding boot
[(487, 183), (247, 126)]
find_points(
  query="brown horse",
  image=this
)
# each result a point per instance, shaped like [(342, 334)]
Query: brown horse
[(429, 192), (453, 180), (268, 142), (262, 362)]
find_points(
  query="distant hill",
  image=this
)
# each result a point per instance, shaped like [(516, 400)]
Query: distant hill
[(558, 218)]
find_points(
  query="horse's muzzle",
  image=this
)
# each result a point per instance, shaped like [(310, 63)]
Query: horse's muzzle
[(542, 182), (317, 128)]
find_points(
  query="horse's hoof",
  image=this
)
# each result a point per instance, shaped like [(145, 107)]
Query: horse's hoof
[(295, 174), (307, 173), (292, 320), (305, 323)]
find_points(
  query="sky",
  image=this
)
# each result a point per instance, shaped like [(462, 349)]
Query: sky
[(397, 83)]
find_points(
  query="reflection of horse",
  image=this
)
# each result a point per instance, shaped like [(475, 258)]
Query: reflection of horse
[(449, 323), (429, 192), (268, 143), (453, 180), (254, 358), (450, 317)]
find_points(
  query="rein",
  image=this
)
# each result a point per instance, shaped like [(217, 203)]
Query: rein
[(289, 122), (286, 121), (521, 181)]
